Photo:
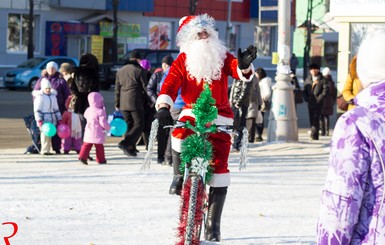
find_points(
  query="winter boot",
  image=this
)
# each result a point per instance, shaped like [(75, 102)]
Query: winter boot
[(177, 182), (217, 196)]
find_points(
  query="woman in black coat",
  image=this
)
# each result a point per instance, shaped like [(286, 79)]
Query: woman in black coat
[(85, 81)]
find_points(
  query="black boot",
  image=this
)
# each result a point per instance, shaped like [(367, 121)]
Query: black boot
[(217, 196), (177, 182)]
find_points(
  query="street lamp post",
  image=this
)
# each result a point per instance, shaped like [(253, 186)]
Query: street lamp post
[(283, 118)]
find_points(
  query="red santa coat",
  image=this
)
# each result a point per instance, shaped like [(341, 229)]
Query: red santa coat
[(178, 78)]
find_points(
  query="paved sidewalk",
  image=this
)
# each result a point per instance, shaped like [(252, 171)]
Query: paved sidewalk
[(56, 200)]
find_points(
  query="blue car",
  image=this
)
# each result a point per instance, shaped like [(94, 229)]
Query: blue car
[(27, 73)]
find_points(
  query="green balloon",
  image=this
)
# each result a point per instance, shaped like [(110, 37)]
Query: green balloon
[(48, 129)]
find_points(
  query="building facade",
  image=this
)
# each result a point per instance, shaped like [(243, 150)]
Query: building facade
[(72, 27), (355, 18)]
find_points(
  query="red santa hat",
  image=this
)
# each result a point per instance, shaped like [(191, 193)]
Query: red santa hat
[(192, 24), (184, 21)]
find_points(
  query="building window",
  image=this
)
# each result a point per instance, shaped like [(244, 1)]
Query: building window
[(17, 33)]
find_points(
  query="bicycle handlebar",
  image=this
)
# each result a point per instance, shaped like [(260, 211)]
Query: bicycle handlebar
[(221, 128)]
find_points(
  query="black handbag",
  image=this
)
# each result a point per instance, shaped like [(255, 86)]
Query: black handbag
[(298, 98)]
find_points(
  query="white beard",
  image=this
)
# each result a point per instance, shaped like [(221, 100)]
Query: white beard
[(205, 59)]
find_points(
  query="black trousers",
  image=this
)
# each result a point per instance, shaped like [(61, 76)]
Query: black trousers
[(135, 123), (314, 117)]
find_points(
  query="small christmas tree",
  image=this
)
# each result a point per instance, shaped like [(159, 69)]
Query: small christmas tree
[(197, 151)]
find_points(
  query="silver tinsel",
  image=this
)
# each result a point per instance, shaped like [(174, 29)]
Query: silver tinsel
[(243, 149), (151, 141)]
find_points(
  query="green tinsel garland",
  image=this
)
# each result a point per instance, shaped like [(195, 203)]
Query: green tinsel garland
[(196, 146)]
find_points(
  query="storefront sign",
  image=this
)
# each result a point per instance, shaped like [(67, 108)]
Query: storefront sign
[(357, 7), (55, 38), (97, 47), (124, 30), (159, 35)]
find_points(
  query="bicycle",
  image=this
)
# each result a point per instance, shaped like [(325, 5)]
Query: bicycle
[(195, 165)]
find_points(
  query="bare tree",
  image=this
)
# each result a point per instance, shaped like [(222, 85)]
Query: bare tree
[(115, 5), (30, 30)]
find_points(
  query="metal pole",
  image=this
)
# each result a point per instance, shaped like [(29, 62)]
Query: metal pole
[(228, 26), (283, 117)]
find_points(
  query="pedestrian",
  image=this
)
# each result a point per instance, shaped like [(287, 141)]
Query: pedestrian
[(329, 102), (204, 59), (351, 208), (72, 120), (96, 128), (253, 110), (130, 92), (316, 88), (149, 110), (85, 81), (46, 110), (62, 92), (265, 86), (293, 63), (153, 89), (66, 70), (298, 98), (352, 84), (239, 102)]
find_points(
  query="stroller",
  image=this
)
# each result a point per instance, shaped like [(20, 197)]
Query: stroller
[(34, 131)]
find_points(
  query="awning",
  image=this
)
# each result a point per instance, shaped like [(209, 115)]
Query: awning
[(96, 18), (329, 37)]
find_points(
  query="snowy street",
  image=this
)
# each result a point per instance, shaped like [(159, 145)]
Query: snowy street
[(56, 200)]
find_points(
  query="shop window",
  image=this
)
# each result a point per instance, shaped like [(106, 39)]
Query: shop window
[(17, 33)]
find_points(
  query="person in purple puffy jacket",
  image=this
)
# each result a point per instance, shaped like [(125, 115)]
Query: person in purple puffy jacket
[(352, 209), (96, 127)]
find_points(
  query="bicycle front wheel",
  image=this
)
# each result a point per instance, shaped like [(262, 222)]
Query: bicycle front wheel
[(192, 210)]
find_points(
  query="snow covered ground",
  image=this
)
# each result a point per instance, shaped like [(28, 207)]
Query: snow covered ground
[(56, 200)]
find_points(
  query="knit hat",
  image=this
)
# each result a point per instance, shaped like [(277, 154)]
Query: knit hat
[(51, 64), (326, 71), (370, 58), (45, 83), (168, 59), (145, 64)]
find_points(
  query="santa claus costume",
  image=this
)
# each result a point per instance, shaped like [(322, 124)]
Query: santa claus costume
[(204, 59)]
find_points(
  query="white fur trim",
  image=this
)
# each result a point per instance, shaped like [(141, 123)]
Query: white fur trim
[(164, 98), (220, 180), (176, 144), (220, 120), (241, 75)]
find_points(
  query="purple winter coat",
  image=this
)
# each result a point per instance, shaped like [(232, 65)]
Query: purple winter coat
[(96, 117), (352, 202)]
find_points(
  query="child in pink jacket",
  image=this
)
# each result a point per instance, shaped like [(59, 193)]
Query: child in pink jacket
[(94, 133)]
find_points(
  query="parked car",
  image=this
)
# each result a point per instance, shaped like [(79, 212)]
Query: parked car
[(27, 73), (107, 71)]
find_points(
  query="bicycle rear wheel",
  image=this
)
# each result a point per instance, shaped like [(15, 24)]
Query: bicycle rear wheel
[(192, 210)]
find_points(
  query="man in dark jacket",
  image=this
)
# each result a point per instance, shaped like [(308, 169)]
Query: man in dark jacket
[(316, 88), (130, 89)]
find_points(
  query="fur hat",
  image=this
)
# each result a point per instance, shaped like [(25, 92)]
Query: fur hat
[(45, 83), (370, 58), (135, 55), (326, 71), (51, 64), (314, 66)]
